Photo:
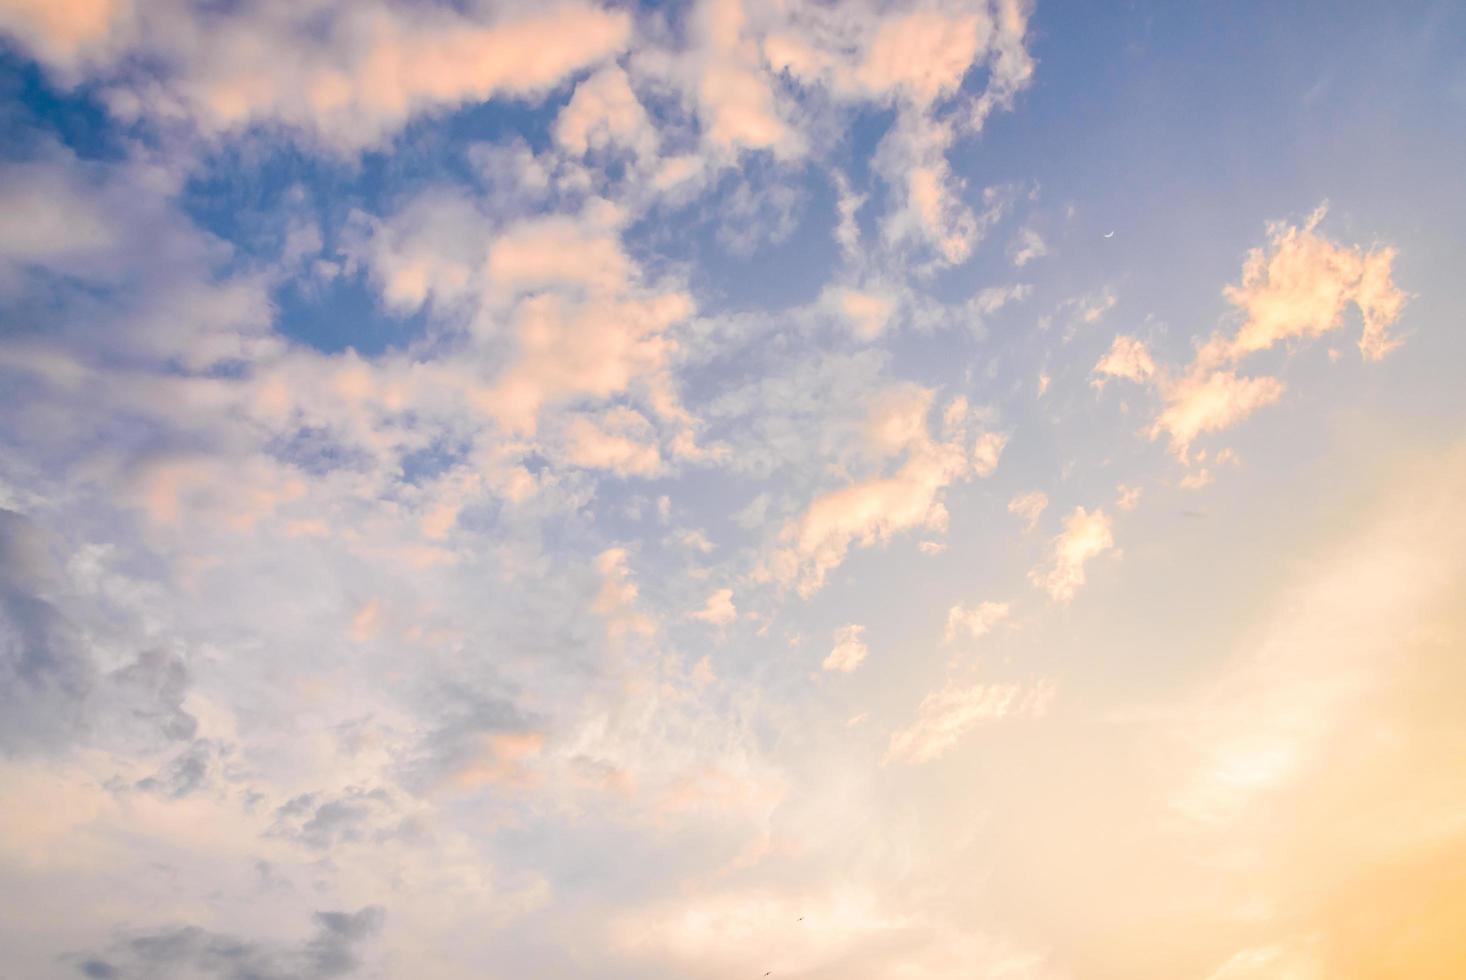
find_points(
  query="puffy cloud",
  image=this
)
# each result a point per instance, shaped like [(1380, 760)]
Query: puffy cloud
[(976, 621), (947, 714), (1300, 285), (604, 112), (61, 32), (1086, 535), (1127, 358), (1029, 507), (353, 77), (736, 102), (620, 440), (849, 651), (986, 451), (922, 54), (719, 610), (1297, 287)]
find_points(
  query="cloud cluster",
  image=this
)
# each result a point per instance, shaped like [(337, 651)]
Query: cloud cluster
[(1295, 289)]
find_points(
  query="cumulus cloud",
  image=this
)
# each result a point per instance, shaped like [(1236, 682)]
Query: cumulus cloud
[(605, 113), (1297, 287), (1301, 283), (1086, 535), (849, 651), (620, 440), (1127, 358), (719, 610), (350, 78), (986, 452)]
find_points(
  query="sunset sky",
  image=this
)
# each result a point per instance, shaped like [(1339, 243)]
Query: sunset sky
[(907, 491)]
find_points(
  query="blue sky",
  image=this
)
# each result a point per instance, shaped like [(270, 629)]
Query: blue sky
[(721, 489)]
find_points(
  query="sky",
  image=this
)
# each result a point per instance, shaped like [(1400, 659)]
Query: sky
[(732, 488)]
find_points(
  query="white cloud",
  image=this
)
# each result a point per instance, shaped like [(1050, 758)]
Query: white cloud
[(620, 440), (1086, 535), (849, 651), (871, 511), (605, 112), (1127, 358), (1300, 285), (986, 451), (719, 610), (353, 77), (974, 622), (1210, 402)]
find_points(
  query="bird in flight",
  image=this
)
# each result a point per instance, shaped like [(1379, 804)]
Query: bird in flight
[(1110, 235)]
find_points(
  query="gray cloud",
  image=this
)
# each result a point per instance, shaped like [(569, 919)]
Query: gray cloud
[(52, 692), (331, 951)]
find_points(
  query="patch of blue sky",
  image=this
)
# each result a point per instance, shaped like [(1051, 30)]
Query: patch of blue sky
[(35, 112), (761, 239), (342, 312)]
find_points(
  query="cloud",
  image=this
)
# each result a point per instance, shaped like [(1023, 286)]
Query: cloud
[(868, 313), (719, 610), (898, 417), (332, 951), (849, 651), (350, 78), (1300, 284), (872, 511), (620, 440), (1210, 402), (974, 622), (915, 60), (1026, 247), (986, 451), (1296, 288), (53, 693), (1086, 535), (1127, 358), (604, 113), (1029, 507), (616, 601), (947, 714), (736, 102), (61, 32)]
